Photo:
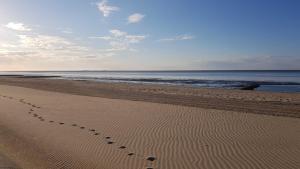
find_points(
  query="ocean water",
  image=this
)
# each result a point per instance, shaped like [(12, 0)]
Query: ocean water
[(275, 80)]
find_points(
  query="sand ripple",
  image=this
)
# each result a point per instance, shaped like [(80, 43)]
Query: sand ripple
[(66, 131)]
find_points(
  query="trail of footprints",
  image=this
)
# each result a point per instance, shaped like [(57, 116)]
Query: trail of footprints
[(109, 140)]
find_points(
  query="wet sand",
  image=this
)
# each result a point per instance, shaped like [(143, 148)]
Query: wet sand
[(46, 129)]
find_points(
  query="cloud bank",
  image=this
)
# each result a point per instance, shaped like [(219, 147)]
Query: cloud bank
[(22, 46)]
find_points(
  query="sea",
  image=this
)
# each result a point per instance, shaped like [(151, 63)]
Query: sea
[(263, 80)]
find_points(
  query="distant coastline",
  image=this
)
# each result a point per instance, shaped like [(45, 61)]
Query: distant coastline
[(171, 70)]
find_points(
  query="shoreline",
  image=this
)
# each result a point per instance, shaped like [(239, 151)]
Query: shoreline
[(251, 85), (257, 102)]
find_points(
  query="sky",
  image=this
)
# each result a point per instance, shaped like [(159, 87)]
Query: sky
[(149, 34)]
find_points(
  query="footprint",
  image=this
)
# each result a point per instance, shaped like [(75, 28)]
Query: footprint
[(110, 142), (151, 158), (130, 154), (94, 132), (122, 147)]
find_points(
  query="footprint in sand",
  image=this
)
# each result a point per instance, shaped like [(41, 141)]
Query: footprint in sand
[(151, 158), (130, 154), (110, 142)]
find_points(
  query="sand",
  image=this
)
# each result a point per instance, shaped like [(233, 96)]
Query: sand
[(6, 163), (45, 129), (278, 104)]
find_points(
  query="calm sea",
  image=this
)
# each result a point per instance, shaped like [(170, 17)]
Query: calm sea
[(275, 80)]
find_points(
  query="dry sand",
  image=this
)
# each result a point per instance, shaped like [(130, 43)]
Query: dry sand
[(50, 130)]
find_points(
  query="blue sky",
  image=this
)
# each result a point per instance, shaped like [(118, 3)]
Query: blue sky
[(149, 34)]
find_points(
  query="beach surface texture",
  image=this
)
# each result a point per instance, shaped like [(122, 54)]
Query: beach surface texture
[(53, 124)]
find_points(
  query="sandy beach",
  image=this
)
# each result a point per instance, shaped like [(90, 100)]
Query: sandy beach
[(50, 124)]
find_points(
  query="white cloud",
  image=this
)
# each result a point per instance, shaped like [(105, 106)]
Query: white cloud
[(101, 37), (43, 48), (44, 42), (135, 18), (120, 40), (106, 9), (67, 31), (17, 26), (117, 33), (135, 38), (7, 45), (178, 38)]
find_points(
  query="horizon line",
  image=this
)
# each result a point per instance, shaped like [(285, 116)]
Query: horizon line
[(158, 70)]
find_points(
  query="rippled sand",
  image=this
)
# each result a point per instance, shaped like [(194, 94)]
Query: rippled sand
[(41, 129)]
